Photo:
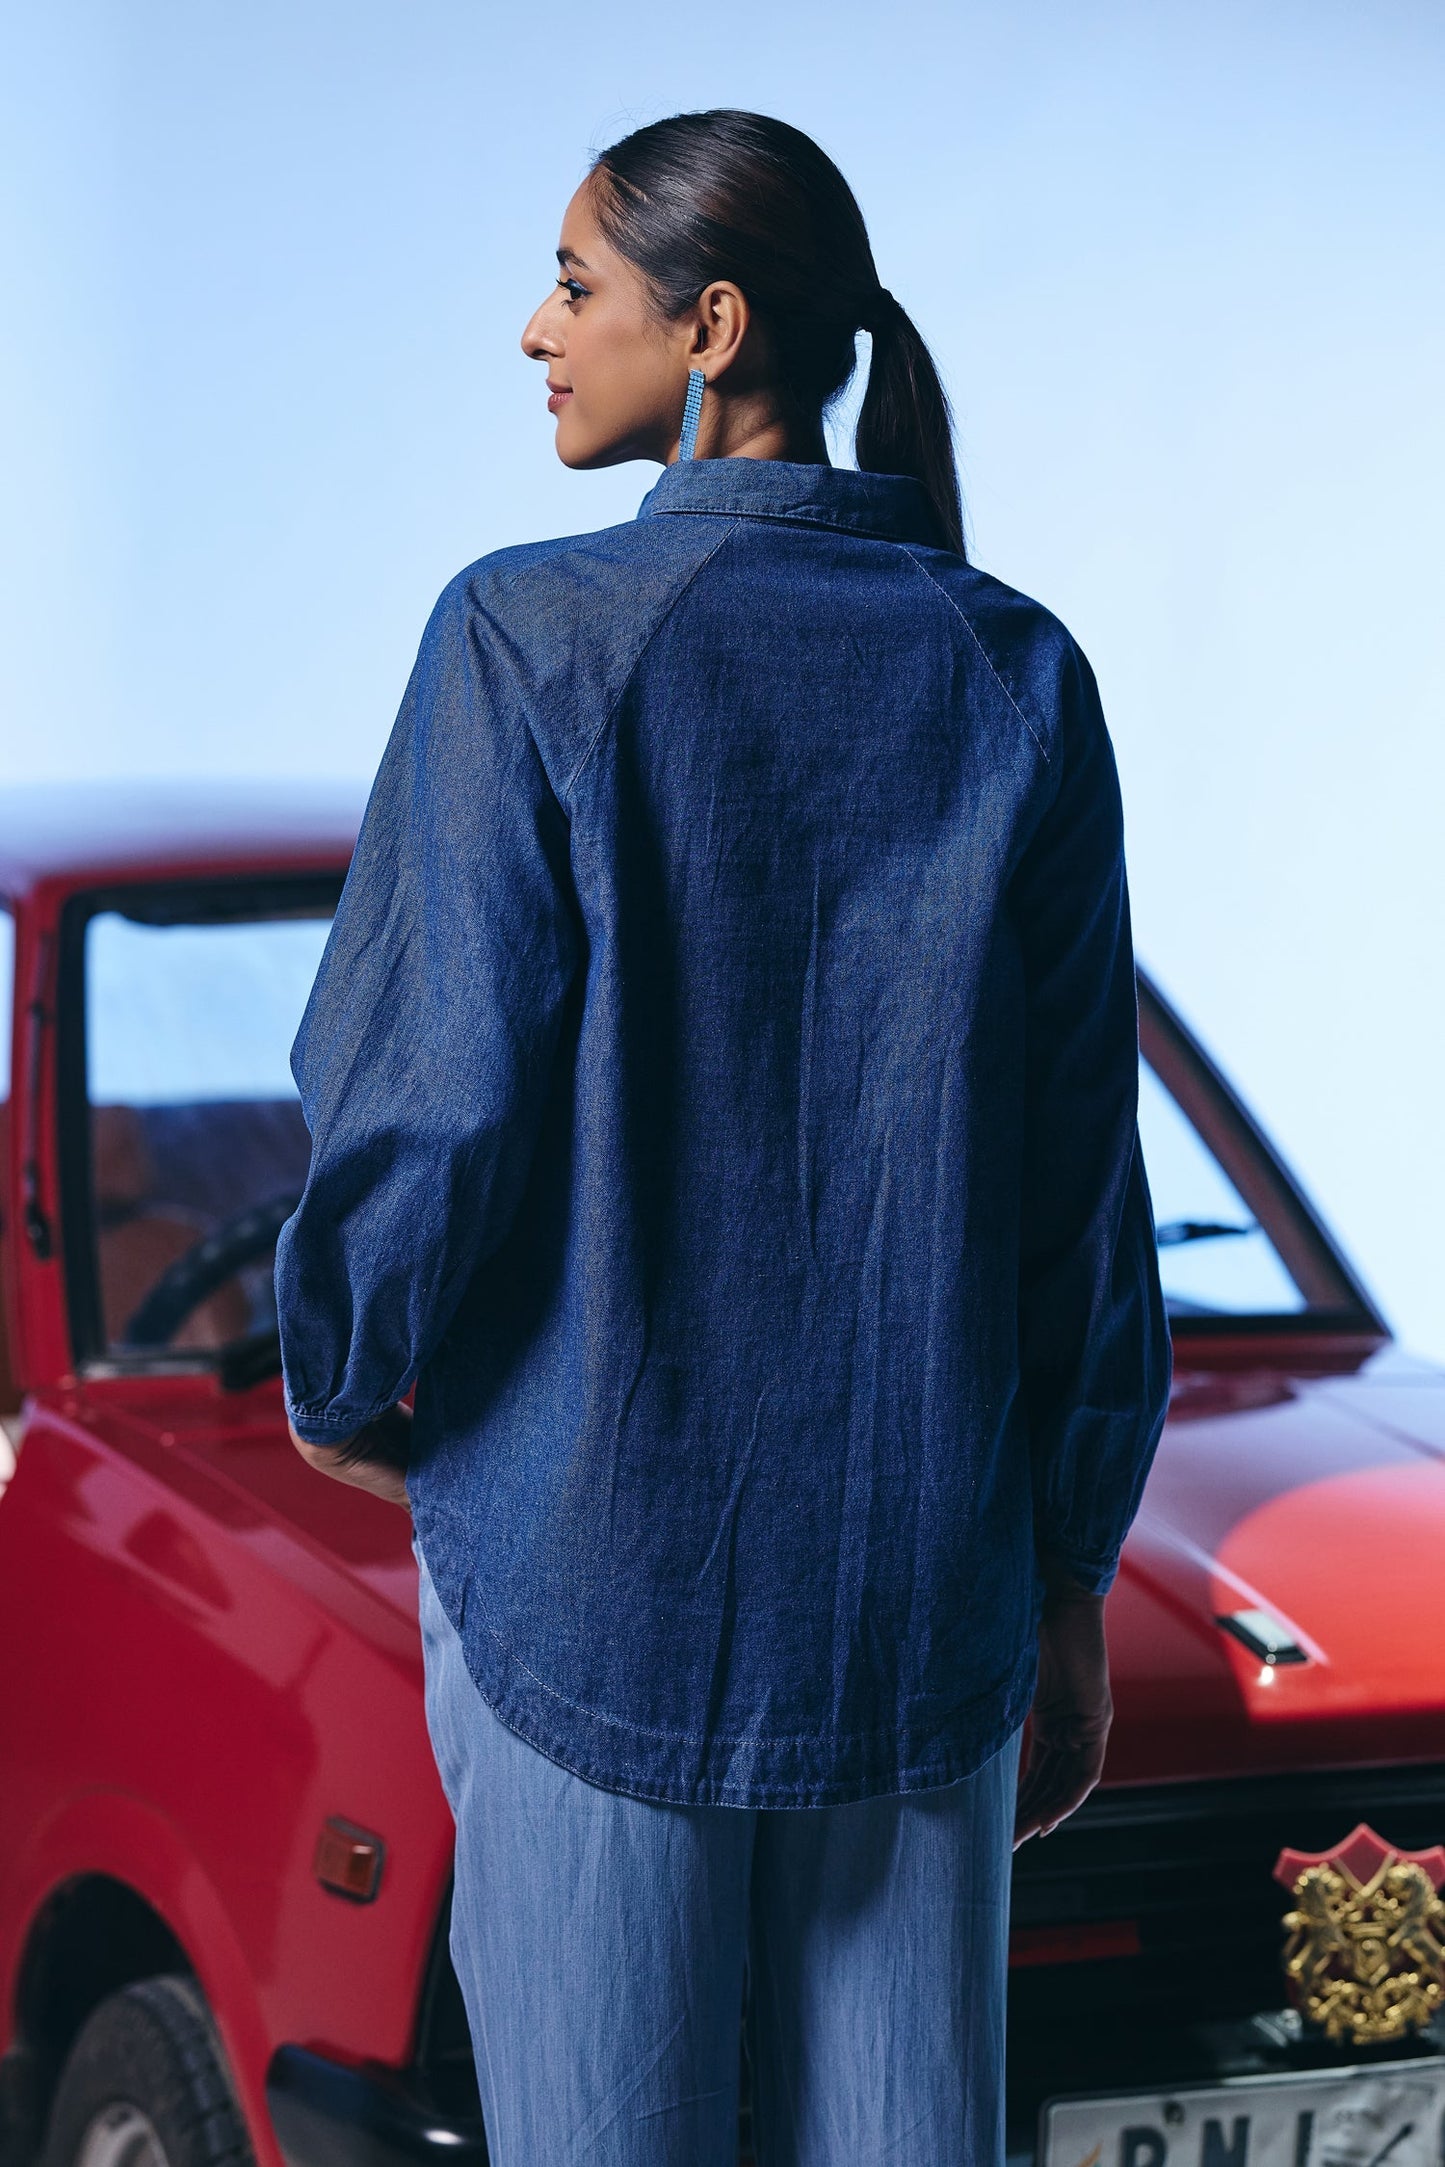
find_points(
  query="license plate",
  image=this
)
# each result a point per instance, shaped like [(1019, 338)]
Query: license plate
[(1386, 2114)]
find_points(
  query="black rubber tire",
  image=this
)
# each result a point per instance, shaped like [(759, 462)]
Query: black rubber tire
[(152, 2046)]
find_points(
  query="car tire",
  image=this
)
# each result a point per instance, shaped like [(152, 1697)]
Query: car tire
[(145, 2085)]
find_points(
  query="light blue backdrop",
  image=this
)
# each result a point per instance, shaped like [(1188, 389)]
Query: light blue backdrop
[(266, 268)]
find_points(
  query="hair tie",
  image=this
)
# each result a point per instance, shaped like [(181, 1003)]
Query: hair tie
[(880, 310)]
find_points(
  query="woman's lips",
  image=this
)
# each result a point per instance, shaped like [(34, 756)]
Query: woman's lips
[(556, 400)]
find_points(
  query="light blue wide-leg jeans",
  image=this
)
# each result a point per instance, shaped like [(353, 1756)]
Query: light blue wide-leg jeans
[(601, 1942)]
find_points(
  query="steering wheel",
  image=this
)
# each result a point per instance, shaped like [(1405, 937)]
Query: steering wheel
[(206, 1265)]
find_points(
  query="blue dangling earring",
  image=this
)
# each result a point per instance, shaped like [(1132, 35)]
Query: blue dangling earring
[(690, 412)]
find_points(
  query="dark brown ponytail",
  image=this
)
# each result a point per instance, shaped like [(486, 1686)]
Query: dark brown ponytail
[(905, 426), (736, 195)]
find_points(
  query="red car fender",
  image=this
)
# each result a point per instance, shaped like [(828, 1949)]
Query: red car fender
[(290, 1694), (108, 1832)]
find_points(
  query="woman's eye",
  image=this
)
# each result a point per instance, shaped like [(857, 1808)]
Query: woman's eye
[(574, 291)]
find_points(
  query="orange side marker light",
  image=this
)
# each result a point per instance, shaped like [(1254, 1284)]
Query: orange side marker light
[(348, 1860)]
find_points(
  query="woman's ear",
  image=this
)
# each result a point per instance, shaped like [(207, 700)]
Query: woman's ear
[(721, 320)]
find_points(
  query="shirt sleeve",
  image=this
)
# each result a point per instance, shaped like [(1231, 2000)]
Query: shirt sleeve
[(1094, 1339), (425, 1050)]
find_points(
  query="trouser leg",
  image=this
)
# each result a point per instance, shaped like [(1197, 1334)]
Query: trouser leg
[(599, 1941), (877, 1974)]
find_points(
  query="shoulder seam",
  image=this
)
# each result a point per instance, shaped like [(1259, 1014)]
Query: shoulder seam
[(596, 738), (529, 730), (990, 665)]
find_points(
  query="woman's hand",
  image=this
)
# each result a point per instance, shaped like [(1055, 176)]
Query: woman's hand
[(374, 1459), (1072, 1710)]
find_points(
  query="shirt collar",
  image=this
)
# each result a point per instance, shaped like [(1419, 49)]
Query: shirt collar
[(893, 506)]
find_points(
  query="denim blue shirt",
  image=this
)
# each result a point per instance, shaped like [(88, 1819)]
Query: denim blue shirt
[(722, 1077)]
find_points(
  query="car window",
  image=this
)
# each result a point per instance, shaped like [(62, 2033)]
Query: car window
[(198, 1148), (1214, 1256)]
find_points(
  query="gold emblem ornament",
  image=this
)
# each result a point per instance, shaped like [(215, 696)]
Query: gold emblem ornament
[(1365, 1957)]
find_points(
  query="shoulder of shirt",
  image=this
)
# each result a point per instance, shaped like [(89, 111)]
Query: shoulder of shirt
[(540, 577), (564, 622), (1030, 653)]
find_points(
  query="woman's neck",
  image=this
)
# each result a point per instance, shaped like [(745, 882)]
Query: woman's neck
[(750, 427)]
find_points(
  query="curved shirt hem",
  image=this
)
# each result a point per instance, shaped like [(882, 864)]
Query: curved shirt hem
[(789, 1772)]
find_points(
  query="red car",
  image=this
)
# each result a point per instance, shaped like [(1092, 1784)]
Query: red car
[(224, 1852)]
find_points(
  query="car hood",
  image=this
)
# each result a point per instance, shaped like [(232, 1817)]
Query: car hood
[(1320, 1500)]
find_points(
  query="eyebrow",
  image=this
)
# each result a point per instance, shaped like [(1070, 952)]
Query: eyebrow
[(568, 255)]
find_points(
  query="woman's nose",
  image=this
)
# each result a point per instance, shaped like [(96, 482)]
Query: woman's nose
[(539, 338)]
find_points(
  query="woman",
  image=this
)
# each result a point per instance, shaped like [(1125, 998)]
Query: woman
[(722, 1081)]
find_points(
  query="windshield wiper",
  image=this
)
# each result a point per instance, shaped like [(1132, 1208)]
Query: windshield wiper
[(1175, 1232)]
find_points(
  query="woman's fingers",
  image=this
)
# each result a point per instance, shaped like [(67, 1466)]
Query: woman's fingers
[(1045, 1783), (1058, 1780), (1065, 1763), (1072, 1713), (349, 1462)]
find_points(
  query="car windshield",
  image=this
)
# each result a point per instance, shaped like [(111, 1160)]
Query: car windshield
[(1215, 1259), (198, 1148)]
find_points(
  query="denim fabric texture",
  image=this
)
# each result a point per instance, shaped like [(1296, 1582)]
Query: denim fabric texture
[(722, 1080), (874, 1938)]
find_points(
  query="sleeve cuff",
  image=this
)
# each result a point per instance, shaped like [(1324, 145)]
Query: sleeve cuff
[(329, 1426), (1093, 1572)]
